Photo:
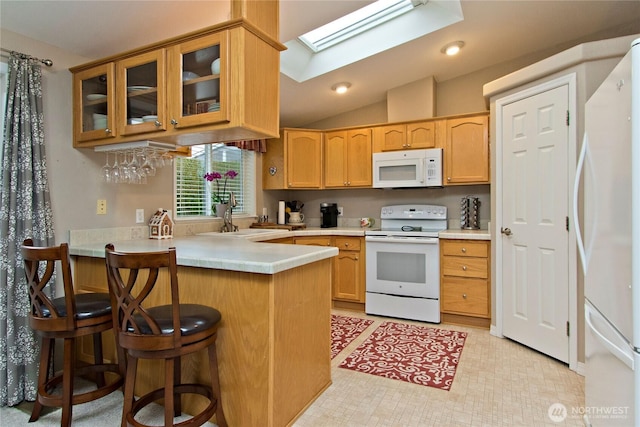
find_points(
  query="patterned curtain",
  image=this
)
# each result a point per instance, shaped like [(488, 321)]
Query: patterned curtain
[(258, 145), (25, 212)]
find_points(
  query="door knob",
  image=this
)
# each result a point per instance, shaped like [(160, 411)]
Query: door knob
[(505, 231)]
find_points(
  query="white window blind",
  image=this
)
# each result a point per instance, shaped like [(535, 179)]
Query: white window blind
[(194, 195)]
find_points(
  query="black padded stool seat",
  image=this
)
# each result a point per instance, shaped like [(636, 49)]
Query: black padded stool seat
[(193, 318), (165, 332), (69, 317), (87, 306)]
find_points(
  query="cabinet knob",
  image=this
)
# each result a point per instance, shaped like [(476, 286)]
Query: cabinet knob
[(174, 122), (346, 245), (448, 178), (344, 183), (464, 250), (356, 258), (464, 268), (464, 296), (107, 130), (158, 124), (348, 182)]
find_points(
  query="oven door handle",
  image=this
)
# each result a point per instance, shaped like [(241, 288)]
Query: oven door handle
[(401, 239)]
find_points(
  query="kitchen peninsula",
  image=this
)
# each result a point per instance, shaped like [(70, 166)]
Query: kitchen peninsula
[(274, 338)]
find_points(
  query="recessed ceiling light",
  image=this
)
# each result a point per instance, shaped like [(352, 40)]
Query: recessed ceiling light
[(452, 48), (341, 87)]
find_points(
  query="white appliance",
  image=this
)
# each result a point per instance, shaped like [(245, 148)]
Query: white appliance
[(609, 164), (403, 263), (408, 168)]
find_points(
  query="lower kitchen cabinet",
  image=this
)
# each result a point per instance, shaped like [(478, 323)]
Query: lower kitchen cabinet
[(348, 269), (465, 282)]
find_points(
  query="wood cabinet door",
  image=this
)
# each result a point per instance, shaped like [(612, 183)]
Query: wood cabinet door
[(421, 135), (94, 105), (199, 90), (467, 151), (359, 158), (335, 159), (141, 93), (348, 281), (390, 138), (304, 159)]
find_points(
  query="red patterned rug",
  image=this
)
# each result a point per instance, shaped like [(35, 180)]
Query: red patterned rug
[(415, 354), (344, 330)]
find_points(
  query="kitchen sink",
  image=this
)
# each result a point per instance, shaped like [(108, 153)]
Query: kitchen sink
[(243, 232)]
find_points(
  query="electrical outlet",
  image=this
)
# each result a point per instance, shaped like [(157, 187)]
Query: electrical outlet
[(139, 216), (101, 207), (340, 210)]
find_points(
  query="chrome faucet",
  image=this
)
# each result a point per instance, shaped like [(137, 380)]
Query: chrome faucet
[(228, 215)]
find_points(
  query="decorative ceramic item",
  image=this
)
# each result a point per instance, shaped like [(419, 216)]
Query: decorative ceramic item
[(215, 66), (221, 208)]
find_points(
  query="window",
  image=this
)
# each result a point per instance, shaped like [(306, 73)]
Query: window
[(194, 195), (355, 23)]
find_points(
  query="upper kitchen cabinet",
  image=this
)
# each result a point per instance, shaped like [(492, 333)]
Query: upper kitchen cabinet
[(218, 84), (409, 136), (466, 150), (94, 106), (199, 96), (293, 161), (141, 93), (347, 158)]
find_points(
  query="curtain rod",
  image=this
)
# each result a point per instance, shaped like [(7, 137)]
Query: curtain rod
[(46, 62)]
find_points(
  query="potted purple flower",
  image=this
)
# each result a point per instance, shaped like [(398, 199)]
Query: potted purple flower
[(220, 198)]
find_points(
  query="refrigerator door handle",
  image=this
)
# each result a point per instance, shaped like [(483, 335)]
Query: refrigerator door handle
[(585, 253), (623, 356)]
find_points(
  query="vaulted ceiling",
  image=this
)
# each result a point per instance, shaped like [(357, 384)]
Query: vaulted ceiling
[(493, 31)]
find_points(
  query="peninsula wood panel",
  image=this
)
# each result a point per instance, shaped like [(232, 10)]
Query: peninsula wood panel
[(273, 341)]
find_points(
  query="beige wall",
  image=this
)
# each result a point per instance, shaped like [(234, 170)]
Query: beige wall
[(74, 180)]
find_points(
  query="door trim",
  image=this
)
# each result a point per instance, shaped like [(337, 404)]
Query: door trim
[(570, 81)]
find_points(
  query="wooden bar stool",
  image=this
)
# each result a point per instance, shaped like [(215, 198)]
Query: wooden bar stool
[(162, 332), (68, 317)]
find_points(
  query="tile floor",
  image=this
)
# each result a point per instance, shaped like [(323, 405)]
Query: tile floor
[(498, 383)]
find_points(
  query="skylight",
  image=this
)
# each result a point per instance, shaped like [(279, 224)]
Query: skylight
[(355, 23), (366, 37)]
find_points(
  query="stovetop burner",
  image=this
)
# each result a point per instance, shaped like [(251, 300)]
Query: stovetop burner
[(411, 220)]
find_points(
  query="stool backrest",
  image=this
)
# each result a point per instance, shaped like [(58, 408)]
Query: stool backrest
[(133, 280), (40, 268)]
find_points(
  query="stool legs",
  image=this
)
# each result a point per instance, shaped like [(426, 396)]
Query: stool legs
[(43, 375), (67, 381), (215, 385)]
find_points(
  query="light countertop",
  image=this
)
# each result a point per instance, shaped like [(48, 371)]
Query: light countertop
[(224, 251), (465, 234)]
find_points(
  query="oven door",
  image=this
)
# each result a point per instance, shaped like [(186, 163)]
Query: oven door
[(406, 266)]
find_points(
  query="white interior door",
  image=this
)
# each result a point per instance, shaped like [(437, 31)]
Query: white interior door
[(535, 299)]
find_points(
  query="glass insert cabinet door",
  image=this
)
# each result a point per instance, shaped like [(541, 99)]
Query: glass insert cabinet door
[(141, 93), (96, 117), (200, 97)]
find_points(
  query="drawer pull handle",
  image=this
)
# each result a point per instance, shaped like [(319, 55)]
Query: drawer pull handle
[(464, 268), (464, 250), (464, 296)]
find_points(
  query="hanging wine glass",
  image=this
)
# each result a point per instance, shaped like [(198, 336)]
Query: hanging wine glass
[(106, 170), (147, 166), (115, 171)]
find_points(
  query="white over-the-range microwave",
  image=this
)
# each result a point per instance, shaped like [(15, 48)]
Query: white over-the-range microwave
[(408, 168)]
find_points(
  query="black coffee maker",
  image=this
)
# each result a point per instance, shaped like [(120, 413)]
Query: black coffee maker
[(329, 215)]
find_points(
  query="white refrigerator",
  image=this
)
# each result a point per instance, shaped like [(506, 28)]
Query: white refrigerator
[(609, 246)]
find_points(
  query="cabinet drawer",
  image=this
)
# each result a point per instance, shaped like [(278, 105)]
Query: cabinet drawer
[(313, 241), (464, 267), (348, 243), (466, 248), (465, 296)]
